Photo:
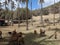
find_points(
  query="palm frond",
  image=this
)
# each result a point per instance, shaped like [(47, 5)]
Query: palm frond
[(8, 0), (41, 1), (13, 4)]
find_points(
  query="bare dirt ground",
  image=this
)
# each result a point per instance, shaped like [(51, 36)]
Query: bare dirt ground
[(36, 24)]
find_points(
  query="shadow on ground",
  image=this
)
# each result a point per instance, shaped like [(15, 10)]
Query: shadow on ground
[(30, 37)]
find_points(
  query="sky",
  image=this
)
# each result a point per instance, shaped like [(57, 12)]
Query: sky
[(46, 3), (36, 5)]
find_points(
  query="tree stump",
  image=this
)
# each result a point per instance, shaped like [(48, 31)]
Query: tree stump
[(35, 32)]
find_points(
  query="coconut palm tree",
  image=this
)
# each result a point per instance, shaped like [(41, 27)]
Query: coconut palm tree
[(10, 17), (0, 8), (54, 15), (59, 12), (5, 3), (41, 2), (31, 13), (25, 1), (18, 1), (27, 14), (0, 5), (12, 7)]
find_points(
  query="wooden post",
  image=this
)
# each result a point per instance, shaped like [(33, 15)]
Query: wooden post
[(35, 32), (55, 35)]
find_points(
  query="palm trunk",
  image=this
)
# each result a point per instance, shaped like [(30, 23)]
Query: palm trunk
[(59, 12), (54, 19), (41, 14), (0, 5), (22, 18), (27, 14), (22, 15), (5, 11), (18, 16), (54, 15), (12, 18), (31, 13), (11, 14)]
